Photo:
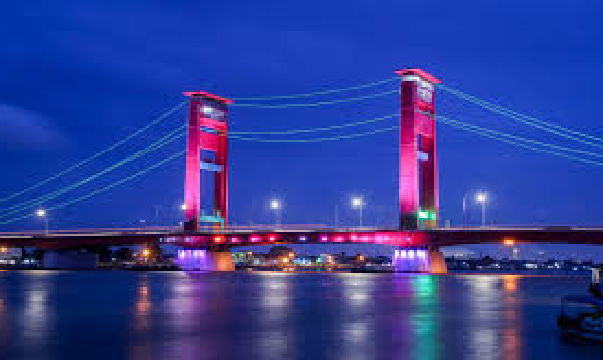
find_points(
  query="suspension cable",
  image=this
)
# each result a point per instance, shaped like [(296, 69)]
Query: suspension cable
[(316, 93), (287, 132), (522, 145), (103, 189), (519, 138), (170, 137), (98, 154), (332, 138), (320, 103), (528, 120)]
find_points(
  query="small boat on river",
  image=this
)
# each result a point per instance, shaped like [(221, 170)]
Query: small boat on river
[(582, 315)]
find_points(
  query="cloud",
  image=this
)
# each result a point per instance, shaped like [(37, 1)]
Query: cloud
[(24, 129)]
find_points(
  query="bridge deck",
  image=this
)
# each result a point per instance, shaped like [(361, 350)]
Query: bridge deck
[(261, 236)]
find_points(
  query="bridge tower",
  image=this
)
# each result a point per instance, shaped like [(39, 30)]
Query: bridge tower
[(207, 131), (418, 189)]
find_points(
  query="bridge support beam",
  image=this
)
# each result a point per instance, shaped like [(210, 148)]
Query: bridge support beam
[(430, 260), (204, 260), (69, 259)]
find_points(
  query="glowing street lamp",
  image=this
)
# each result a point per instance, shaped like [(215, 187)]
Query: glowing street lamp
[(481, 198), (358, 203), (41, 213), (183, 207), (276, 206)]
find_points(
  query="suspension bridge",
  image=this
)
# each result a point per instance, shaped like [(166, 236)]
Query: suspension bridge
[(204, 240)]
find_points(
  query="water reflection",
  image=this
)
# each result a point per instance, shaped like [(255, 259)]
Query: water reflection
[(357, 318), (424, 321), (511, 339), (275, 302), (510, 282), (280, 316), (35, 311)]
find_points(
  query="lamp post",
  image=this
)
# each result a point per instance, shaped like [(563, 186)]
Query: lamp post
[(275, 205), (358, 203), (465, 210), (41, 213), (481, 198)]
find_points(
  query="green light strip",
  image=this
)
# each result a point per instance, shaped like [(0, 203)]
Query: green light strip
[(519, 138), (320, 103), (170, 137), (333, 138), (287, 132), (528, 120), (325, 92), (98, 154), (101, 190), (522, 145)]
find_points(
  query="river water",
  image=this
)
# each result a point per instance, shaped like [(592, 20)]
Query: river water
[(269, 315)]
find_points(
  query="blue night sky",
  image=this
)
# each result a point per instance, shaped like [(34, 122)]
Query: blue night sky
[(76, 76)]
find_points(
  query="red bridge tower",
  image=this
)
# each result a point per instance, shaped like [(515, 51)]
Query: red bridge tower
[(207, 131), (418, 192)]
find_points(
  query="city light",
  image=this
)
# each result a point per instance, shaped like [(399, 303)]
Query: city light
[(275, 204), (146, 253), (183, 207), (41, 213), (509, 242), (424, 215), (358, 203), (481, 197)]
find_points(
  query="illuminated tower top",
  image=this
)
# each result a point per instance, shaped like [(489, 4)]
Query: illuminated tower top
[(418, 191)]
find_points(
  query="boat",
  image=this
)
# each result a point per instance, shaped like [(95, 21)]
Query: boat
[(582, 315)]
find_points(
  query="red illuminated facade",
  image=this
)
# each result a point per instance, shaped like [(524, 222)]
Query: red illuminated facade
[(418, 191), (207, 136)]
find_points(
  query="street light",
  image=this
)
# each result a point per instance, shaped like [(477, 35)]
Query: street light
[(183, 207), (41, 213), (481, 198), (275, 205), (358, 203)]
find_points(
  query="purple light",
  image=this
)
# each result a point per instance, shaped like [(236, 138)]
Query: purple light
[(303, 238), (324, 238)]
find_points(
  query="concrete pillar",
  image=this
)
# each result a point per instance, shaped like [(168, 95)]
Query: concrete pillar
[(429, 260), (204, 260), (437, 262), (70, 259)]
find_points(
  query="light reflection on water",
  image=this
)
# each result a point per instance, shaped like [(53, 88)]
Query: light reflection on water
[(270, 315)]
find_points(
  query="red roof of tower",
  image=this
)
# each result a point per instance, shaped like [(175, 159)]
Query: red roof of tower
[(425, 75), (208, 95)]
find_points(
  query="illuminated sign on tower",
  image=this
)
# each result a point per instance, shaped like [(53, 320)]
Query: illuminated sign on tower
[(418, 191), (207, 131)]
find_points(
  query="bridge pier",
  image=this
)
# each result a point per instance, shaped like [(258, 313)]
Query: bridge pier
[(426, 259), (204, 260), (69, 259)]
